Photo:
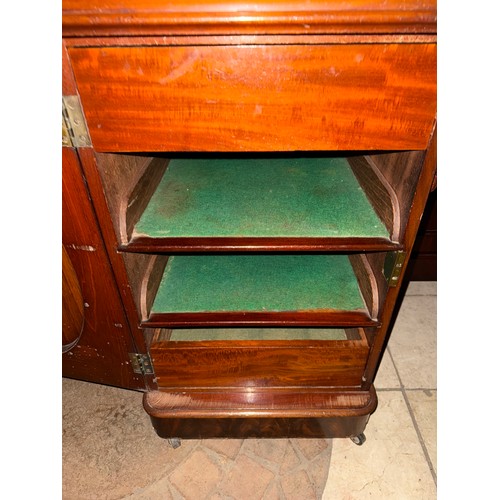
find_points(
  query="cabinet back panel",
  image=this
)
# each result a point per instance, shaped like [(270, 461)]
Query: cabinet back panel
[(236, 334)]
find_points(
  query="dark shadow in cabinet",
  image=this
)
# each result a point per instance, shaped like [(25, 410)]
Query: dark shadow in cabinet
[(423, 261)]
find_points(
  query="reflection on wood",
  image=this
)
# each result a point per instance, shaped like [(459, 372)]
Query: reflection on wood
[(72, 304)]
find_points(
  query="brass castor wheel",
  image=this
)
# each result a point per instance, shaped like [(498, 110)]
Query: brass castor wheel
[(359, 439), (174, 442)]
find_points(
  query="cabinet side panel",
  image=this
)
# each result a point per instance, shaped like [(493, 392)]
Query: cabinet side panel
[(416, 206)]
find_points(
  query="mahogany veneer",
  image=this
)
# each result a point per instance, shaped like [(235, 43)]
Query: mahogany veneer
[(247, 97), (248, 413)]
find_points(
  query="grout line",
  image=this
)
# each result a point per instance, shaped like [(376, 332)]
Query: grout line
[(407, 389), (415, 424)]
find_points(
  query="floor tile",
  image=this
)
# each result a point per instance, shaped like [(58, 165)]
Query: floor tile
[(413, 342), (311, 448), (247, 476), (227, 447), (422, 288), (297, 485), (424, 407), (391, 463), (290, 460), (190, 482), (271, 450)]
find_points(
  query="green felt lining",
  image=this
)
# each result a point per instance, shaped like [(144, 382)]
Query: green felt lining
[(210, 283), (200, 334), (311, 197)]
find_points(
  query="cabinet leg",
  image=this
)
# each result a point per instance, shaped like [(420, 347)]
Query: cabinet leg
[(174, 442), (359, 439)]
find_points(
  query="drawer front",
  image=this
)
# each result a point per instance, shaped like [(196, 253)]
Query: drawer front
[(259, 366), (258, 97)]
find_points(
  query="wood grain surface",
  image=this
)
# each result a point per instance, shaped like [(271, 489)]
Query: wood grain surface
[(296, 402), (423, 183), (259, 363), (258, 98), (101, 354)]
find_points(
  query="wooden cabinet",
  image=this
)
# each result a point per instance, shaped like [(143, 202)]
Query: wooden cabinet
[(258, 173)]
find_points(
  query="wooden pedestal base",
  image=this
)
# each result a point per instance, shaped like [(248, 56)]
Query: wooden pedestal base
[(200, 414)]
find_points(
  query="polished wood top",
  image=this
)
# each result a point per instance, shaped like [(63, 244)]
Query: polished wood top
[(178, 17)]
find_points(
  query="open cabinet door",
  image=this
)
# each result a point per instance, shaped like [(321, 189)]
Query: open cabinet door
[(96, 335)]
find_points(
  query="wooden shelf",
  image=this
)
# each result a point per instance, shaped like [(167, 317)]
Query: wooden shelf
[(258, 290), (256, 205)]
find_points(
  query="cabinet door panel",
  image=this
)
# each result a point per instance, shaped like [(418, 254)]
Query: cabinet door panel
[(101, 352)]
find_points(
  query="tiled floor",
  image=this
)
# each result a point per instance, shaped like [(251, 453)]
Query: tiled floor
[(110, 450), (398, 459)]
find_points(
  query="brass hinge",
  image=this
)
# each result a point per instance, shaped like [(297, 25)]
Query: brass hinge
[(141, 363), (393, 265), (74, 128)]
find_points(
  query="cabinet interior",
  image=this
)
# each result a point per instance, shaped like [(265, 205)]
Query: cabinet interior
[(220, 202), (351, 209)]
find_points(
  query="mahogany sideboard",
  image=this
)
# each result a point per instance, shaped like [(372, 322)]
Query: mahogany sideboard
[(243, 184)]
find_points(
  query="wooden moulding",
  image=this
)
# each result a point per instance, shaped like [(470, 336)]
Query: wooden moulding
[(133, 17), (307, 412), (260, 363), (260, 319), (249, 39), (197, 245)]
